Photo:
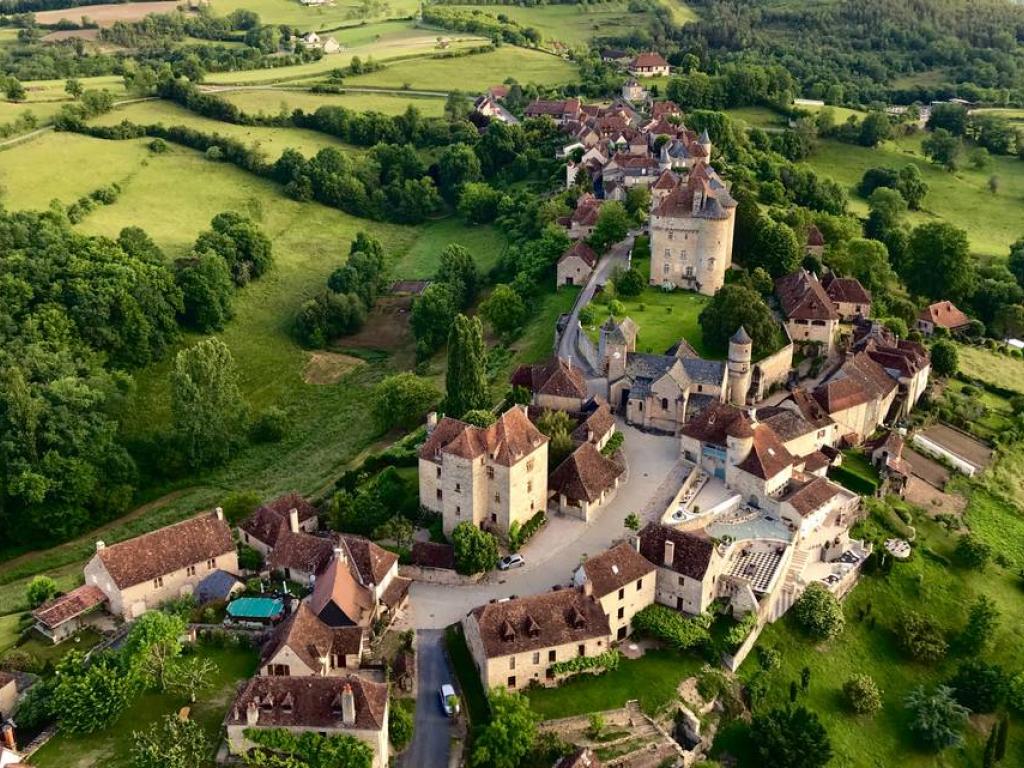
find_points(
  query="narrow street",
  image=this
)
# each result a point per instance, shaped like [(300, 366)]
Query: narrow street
[(432, 733)]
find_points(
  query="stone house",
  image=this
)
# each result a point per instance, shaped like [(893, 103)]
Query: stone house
[(858, 396), (304, 646), (850, 299), (886, 452), (584, 482), (149, 570), (261, 529), (299, 556), (63, 616), (576, 265), (687, 567), (8, 695), (811, 316), (584, 218), (623, 582), (490, 476), (561, 111), (515, 642), (648, 65), (942, 314), (328, 706), (815, 243), (908, 362), (633, 91), (556, 385)]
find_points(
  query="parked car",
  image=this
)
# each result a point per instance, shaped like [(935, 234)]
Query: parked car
[(511, 561), (449, 701)]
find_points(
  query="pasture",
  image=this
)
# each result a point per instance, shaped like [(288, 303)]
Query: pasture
[(107, 15), (992, 221), (272, 100), (325, 17), (571, 25), (272, 141), (472, 73)]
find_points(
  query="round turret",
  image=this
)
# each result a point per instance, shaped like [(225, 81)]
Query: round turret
[(740, 353)]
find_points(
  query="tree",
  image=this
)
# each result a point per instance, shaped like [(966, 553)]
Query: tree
[(171, 742), (466, 377), (73, 88), (328, 315), (632, 522), (558, 426), (1016, 261), (630, 283), (458, 270), (776, 249), (921, 637), (209, 415), (39, 590), (982, 620), (874, 129), (792, 737), (88, 696), (612, 226), (945, 358), (153, 645), (206, 290), (481, 417), (979, 686), (509, 736), (867, 260), (433, 313), (396, 529), (402, 400), (937, 719), (400, 726), (943, 148), (505, 312), (735, 305), (638, 202), (951, 118), (768, 658), (886, 208), (819, 613), (190, 676), (476, 551), (15, 90), (912, 186), (457, 165), (279, 748), (862, 695), (972, 552), (240, 242), (939, 263)]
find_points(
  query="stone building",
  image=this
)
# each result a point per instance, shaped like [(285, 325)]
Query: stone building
[(623, 582), (942, 314), (687, 567), (359, 586), (692, 232), (584, 482), (305, 646), (811, 317), (648, 65), (261, 529), (490, 476), (556, 385), (576, 265), (850, 299)]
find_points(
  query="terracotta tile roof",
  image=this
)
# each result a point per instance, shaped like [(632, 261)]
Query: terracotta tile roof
[(581, 251), (811, 495), (663, 108), (785, 422), (372, 562), (581, 758), (498, 91), (584, 475), (859, 380), (816, 461), (265, 525), (597, 424), (540, 621), (300, 552), (648, 60), (768, 456), (312, 640), (810, 408), (556, 377), (396, 592), (430, 554), (713, 199), (6, 678), (447, 429), (944, 314), (55, 612), (586, 212), (614, 568), (845, 289), (282, 505), (691, 552), (166, 550), (338, 598), (510, 438), (890, 441), (802, 297), (558, 109), (668, 180), (711, 424), (315, 703)]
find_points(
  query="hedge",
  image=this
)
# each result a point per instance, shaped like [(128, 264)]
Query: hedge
[(605, 662), (672, 627)]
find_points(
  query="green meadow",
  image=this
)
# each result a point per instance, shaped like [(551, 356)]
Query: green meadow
[(571, 25), (271, 101), (324, 17)]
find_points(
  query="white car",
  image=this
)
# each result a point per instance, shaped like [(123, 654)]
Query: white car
[(511, 561), (449, 701)]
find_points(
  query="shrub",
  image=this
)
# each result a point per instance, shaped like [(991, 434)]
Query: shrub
[(476, 551), (819, 613), (937, 719), (270, 426), (672, 627), (158, 146), (518, 536), (614, 443), (921, 637), (862, 695), (630, 283), (768, 658), (605, 662), (972, 552), (1015, 692), (39, 590), (249, 559), (978, 686), (239, 505), (400, 726)]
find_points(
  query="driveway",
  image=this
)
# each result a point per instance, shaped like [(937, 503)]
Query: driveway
[(561, 545), (431, 737)]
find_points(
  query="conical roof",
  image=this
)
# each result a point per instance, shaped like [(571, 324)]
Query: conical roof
[(741, 336), (704, 138)]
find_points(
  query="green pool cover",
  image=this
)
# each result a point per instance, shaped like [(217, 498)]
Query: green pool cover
[(255, 608)]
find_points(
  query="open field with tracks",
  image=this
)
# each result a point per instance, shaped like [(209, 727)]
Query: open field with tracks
[(107, 15), (272, 100)]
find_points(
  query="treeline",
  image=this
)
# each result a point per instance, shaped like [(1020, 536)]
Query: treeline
[(499, 27), (177, 26), (33, 6)]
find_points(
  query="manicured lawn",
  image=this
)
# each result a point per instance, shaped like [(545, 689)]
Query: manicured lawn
[(272, 141), (294, 14), (474, 697), (472, 73), (941, 591), (271, 100), (992, 368), (652, 680), (758, 117), (954, 197), (572, 25), (112, 747), (537, 341)]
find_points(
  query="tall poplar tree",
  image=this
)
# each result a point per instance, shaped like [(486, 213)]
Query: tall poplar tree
[(466, 380)]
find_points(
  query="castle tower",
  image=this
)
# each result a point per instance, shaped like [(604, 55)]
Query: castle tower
[(705, 141), (612, 347), (739, 441), (740, 351)]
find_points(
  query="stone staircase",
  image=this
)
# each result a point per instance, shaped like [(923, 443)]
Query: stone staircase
[(791, 587)]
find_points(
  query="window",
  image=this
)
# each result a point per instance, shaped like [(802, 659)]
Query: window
[(622, 612), (438, 494), (490, 473), (438, 471), (494, 518), (497, 497), (458, 487), (689, 271), (640, 405), (671, 235), (536, 657), (211, 563), (458, 511), (700, 387), (158, 582), (190, 571), (511, 662), (245, 536), (664, 403), (529, 486), (665, 269), (639, 584), (622, 593), (551, 655), (529, 465), (581, 650), (512, 681), (681, 582)]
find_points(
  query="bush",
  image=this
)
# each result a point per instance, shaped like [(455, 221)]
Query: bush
[(239, 505), (972, 552), (604, 662), (862, 695), (476, 551), (978, 686), (39, 590), (614, 443), (249, 559), (270, 426), (158, 146), (400, 726), (768, 658), (17, 660), (819, 613), (518, 536), (1015, 693), (630, 283), (921, 638), (672, 627), (937, 719)]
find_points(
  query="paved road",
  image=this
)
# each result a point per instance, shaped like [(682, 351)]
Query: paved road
[(560, 546), (431, 737)]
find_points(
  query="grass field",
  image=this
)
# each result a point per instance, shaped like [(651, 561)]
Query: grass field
[(294, 14), (422, 258), (107, 15), (758, 117), (992, 368), (272, 141), (112, 746), (992, 221), (1015, 116), (472, 73), (271, 101), (924, 585), (571, 25)]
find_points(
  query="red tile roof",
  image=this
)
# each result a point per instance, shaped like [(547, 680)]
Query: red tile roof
[(648, 60), (55, 612), (712, 424), (814, 236), (166, 550), (810, 496), (691, 552), (312, 703), (614, 568), (802, 297), (300, 552), (510, 438), (372, 562), (312, 640), (596, 425), (557, 377), (339, 588), (429, 554), (859, 380), (847, 290), (584, 475), (664, 108), (944, 314), (582, 251), (768, 456)]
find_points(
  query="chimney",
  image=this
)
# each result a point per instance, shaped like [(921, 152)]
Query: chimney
[(588, 588), (100, 546), (670, 552), (252, 714), (348, 705), (431, 421), (8, 733), (219, 512), (635, 541), (339, 553), (293, 520)]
